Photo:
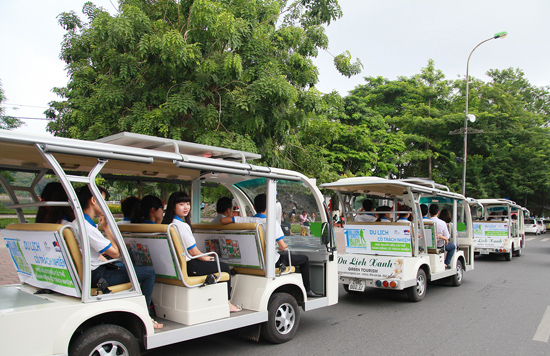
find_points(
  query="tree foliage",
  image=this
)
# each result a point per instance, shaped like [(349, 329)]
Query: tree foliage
[(239, 74), (507, 160), (233, 73), (7, 122)]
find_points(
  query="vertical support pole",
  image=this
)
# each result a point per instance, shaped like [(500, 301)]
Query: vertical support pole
[(270, 228), (196, 201)]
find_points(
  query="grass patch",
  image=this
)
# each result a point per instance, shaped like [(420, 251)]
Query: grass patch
[(295, 229), (6, 221), (7, 211)]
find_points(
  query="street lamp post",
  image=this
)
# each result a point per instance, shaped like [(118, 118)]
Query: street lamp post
[(466, 116)]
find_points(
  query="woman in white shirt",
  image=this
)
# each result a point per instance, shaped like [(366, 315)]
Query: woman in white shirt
[(177, 212)]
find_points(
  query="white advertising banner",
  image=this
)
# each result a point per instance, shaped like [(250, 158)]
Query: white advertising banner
[(392, 240), (490, 234), (152, 251), (39, 260), (360, 266), (235, 249)]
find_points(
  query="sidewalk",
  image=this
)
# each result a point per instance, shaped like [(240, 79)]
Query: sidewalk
[(7, 269), (340, 239)]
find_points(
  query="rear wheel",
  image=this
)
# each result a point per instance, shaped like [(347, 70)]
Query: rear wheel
[(108, 340), (417, 293), (283, 319), (518, 251), (508, 256), (456, 280)]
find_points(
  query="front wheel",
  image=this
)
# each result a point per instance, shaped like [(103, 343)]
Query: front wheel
[(105, 339), (417, 293), (282, 320), (456, 280)]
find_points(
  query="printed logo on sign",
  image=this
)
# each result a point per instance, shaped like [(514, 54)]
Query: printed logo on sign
[(477, 229), (356, 238)]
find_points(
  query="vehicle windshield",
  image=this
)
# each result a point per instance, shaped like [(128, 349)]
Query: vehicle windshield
[(497, 212)]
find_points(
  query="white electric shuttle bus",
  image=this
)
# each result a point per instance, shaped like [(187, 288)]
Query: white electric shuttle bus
[(395, 253), (501, 229), (57, 307)]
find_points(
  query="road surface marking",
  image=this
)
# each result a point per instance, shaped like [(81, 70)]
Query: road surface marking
[(545, 239), (529, 239), (543, 331)]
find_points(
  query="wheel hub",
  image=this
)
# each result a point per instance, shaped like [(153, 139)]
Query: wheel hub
[(285, 318), (110, 348)]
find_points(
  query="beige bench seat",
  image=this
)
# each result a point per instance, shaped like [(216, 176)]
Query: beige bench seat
[(72, 246), (259, 233), (178, 253)]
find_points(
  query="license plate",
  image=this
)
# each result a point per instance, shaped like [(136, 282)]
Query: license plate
[(484, 251), (357, 286)]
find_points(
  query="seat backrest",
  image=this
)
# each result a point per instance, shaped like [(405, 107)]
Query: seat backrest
[(259, 233), (177, 251), (68, 236), (172, 235), (73, 248)]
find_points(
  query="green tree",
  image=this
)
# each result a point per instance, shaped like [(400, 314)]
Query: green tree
[(7, 122), (233, 73), (351, 140), (509, 159), (414, 110)]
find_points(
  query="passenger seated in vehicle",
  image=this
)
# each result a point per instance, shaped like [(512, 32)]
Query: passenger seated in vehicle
[(149, 211), (404, 217), (424, 211), (54, 191), (224, 207), (382, 214), (106, 245), (368, 205), (302, 261), (177, 212), (492, 216), (445, 215), (443, 235), (128, 206)]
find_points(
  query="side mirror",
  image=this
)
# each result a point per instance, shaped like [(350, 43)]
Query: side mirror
[(325, 239)]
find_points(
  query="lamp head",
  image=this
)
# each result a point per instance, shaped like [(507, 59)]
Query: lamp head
[(501, 34)]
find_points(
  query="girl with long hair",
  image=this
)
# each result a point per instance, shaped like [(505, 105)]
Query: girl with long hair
[(177, 212), (149, 211)]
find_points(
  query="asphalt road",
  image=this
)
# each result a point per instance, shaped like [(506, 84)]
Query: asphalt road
[(498, 310)]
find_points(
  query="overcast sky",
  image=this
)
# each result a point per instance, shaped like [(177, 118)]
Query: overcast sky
[(391, 38)]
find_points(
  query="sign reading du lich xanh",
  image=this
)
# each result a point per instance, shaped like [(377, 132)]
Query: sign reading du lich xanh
[(39, 261), (391, 240)]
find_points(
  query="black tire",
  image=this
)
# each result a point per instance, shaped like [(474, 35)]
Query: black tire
[(456, 280), (517, 253), (110, 339), (416, 293), (508, 256), (283, 319)]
